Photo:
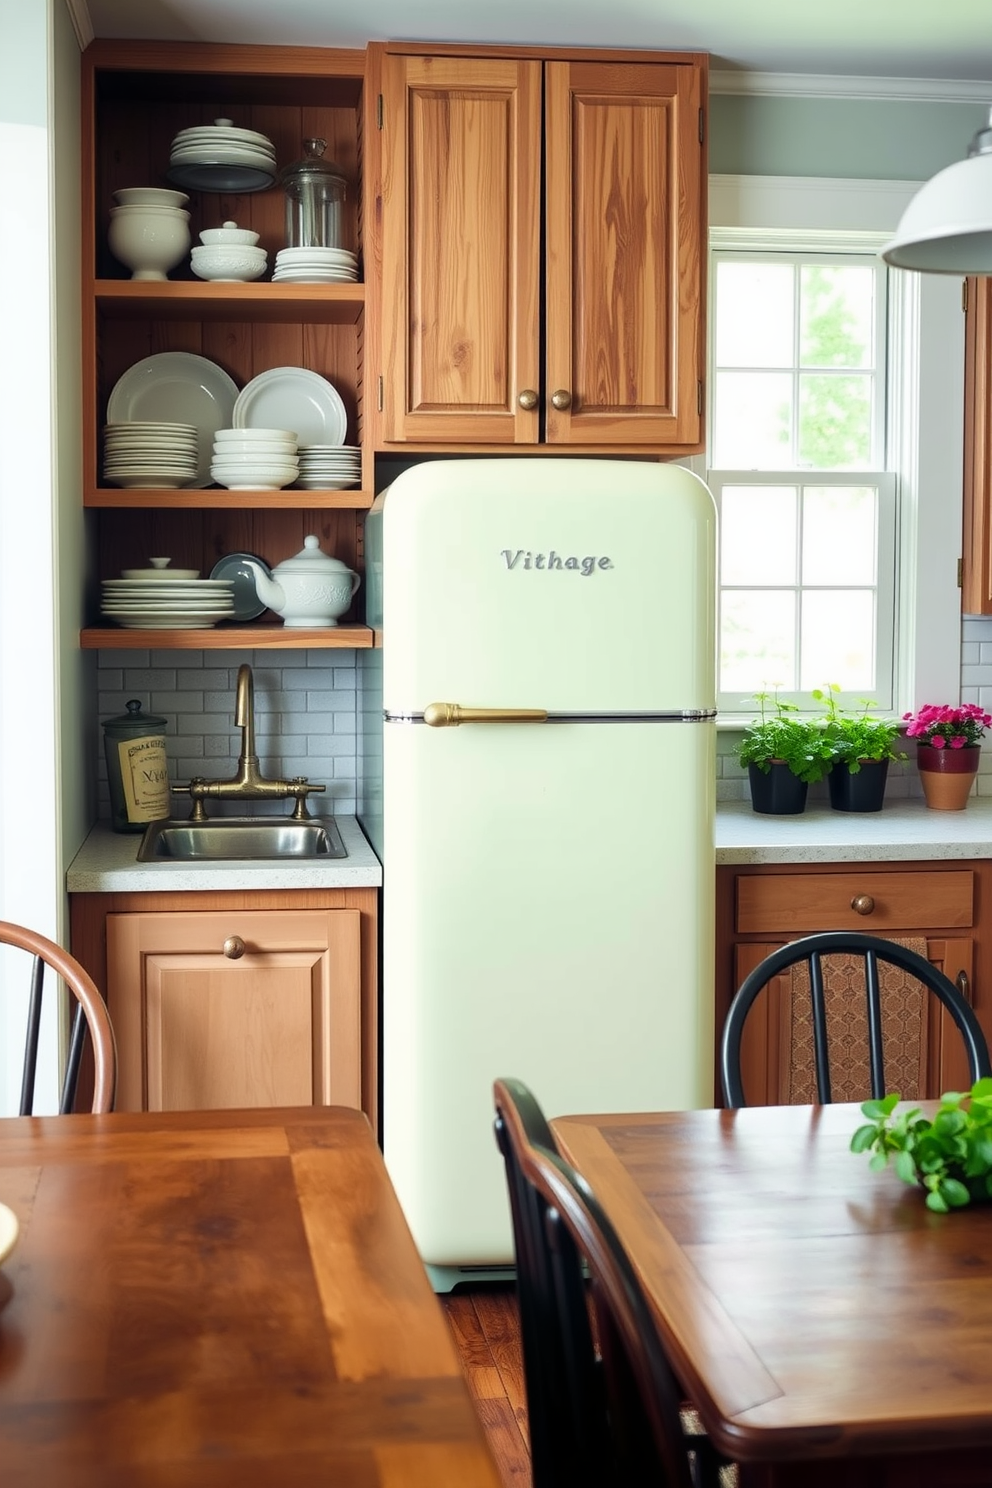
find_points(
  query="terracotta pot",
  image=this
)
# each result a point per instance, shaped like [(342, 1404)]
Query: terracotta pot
[(947, 775)]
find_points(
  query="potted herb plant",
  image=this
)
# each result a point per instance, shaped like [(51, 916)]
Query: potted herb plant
[(862, 746), (785, 752), (948, 747), (950, 1156)]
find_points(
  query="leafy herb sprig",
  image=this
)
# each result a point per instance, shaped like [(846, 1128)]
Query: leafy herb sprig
[(780, 733), (950, 1156), (854, 737)]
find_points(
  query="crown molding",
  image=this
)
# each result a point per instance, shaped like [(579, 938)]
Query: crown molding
[(885, 89), (79, 14)]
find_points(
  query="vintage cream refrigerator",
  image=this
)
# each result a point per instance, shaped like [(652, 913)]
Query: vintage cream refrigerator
[(537, 774)]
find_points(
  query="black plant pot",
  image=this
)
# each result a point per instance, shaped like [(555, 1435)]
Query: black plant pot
[(777, 793), (864, 791)]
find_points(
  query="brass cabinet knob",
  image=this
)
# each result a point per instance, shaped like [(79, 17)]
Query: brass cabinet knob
[(527, 399), (863, 904), (562, 399), (234, 947)]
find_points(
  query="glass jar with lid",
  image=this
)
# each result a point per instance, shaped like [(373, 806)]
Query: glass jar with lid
[(315, 192)]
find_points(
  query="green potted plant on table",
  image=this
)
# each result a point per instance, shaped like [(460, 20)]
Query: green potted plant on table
[(862, 746), (950, 1156), (784, 753)]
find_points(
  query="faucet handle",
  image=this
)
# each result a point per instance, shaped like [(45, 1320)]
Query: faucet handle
[(300, 787), (195, 790)]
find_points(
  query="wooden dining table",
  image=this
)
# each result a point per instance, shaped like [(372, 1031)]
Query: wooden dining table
[(828, 1326), (221, 1298)]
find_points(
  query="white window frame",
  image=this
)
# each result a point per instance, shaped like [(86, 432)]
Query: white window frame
[(926, 399)]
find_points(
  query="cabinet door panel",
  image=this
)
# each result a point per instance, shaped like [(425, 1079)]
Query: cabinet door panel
[(278, 1024), (624, 252), (461, 232)]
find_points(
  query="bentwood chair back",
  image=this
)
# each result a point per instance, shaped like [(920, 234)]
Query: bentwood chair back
[(89, 1014), (868, 952), (603, 1413)]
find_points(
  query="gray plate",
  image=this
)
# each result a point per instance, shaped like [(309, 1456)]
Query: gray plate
[(233, 567)]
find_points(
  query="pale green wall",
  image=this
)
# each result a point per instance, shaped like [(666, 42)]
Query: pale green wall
[(868, 139)]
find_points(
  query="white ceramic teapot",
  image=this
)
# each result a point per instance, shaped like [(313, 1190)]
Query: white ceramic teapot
[(311, 588)]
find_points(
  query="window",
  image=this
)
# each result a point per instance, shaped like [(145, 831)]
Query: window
[(798, 469), (798, 372), (835, 455)]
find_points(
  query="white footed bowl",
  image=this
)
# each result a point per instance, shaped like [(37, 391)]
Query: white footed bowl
[(259, 449), (149, 240), (245, 436), (228, 263)]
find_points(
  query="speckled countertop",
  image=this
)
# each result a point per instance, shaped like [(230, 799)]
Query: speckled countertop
[(107, 863), (904, 829)]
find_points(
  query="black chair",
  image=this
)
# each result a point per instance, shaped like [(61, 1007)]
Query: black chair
[(89, 1014), (873, 949), (603, 1413)]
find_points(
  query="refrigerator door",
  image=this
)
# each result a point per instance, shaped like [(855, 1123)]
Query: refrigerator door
[(548, 888), (558, 584), (548, 914)]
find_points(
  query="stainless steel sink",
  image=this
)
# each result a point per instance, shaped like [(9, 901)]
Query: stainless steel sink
[(241, 838)]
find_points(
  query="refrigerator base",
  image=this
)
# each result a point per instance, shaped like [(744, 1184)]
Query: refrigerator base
[(445, 1279)]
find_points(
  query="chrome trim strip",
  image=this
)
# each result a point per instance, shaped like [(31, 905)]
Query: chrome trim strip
[(687, 715)]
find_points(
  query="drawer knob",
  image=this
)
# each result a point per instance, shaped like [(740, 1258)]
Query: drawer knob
[(862, 904), (561, 399), (234, 947), (527, 399)]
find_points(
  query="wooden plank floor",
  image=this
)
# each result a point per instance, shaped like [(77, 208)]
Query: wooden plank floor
[(486, 1328)]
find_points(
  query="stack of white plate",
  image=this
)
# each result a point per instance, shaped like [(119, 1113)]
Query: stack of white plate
[(222, 157), (254, 459), (329, 467), (315, 266), (150, 454), (160, 599)]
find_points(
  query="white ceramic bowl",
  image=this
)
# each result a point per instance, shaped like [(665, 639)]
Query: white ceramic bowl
[(246, 436), (225, 263), (149, 196), (262, 449), (257, 477), (148, 240), (228, 234)]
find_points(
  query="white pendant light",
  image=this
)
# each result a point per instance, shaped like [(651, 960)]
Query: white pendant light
[(947, 227)]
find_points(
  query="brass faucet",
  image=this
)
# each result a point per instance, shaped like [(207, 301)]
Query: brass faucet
[(249, 784)]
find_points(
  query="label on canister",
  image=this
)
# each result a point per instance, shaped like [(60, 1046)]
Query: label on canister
[(144, 777)]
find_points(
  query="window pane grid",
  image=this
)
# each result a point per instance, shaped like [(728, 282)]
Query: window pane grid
[(807, 514)]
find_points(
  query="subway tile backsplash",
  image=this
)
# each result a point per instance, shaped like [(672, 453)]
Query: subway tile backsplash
[(305, 718), (306, 710)]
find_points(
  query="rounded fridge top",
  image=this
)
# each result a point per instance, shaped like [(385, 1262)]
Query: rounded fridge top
[(565, 584)]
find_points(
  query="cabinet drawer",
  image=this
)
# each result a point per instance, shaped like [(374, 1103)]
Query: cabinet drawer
[(799, 904)]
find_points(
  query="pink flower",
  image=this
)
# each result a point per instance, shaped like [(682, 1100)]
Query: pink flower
[(958, 742), (938, 741), (942, 726)]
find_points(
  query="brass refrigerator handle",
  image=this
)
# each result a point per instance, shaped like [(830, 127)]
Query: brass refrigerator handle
[(450, 715)]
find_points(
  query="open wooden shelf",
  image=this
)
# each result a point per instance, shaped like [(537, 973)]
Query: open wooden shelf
[(351, 499), (228, 638), (263, 301)]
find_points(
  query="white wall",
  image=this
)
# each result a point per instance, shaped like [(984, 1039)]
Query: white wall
[(36, 38)]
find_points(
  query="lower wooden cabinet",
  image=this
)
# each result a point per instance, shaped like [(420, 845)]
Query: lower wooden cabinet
[(937, 907), (236, 1003)]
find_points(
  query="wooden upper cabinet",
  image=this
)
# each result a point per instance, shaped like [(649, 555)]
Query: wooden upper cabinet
[(461, 236), (624, 213), (976, 564), (600, 343)]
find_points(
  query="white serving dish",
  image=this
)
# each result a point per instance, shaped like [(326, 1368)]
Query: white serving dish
[(228, 233), (230, 264), (149, 196)]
